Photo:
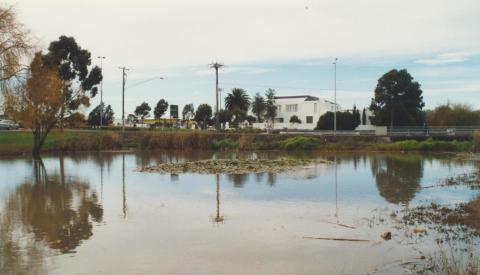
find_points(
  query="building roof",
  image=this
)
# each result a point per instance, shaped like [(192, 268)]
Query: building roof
[(307, 97)]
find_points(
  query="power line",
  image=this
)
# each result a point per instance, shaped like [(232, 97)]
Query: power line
[(277, 87), (143, 81)]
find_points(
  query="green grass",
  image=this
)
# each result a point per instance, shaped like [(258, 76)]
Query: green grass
[(22, 142), (299, 143), (67, 141)]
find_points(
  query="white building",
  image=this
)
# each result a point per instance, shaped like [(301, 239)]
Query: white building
[(307, 108)]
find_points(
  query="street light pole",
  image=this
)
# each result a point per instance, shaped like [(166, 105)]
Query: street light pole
[(101, 90), (335, 96), (216, 66), (124, 75)]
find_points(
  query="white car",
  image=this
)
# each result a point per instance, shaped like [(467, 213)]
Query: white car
[(8, 125)]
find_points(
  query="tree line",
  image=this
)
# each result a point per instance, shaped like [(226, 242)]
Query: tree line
[(237, 106)]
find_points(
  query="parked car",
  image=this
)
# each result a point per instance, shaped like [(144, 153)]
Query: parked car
[(8, 125)]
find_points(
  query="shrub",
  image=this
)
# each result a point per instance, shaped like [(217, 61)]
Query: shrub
[(299, 143)]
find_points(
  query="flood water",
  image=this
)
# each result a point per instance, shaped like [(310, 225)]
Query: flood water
[(94, 214)]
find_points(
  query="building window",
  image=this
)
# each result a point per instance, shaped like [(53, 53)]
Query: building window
[(279, 120), (309, 119), (291, 108), (279, 108), (315, 107)]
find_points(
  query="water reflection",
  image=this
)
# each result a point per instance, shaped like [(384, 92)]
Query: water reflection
[(124, 195), (51, 209), (238, 180), (397, 177), (218, 218)]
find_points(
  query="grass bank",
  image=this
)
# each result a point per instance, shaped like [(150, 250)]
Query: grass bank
[(71, 141)]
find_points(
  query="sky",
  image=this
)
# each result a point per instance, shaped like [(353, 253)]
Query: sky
[(288, 45)]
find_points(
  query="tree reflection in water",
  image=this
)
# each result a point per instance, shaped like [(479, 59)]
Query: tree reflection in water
[(55, 210), (238, 180), (397, 177)]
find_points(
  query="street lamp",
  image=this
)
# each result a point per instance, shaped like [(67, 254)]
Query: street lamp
[(101, 90), (335, 96), (216, 66)]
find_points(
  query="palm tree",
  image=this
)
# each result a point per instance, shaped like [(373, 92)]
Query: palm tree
[(237, 103), (258, 106)]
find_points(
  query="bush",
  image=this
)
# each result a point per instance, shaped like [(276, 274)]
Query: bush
[(299, 143)]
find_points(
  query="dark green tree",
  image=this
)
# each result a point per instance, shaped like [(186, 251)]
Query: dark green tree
[(364, 117), (188, 111), (398, 100), (258, 106), (224, 117), (79, 81), (94, 116), (346, 121), (203, 115), (160, 109), (143, 110), (270, 107), (356, 116), (294, 119), (237, 103), (250, 119)]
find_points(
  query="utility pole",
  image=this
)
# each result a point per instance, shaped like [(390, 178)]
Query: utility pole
[(335, 96), (216, 66), (101, 90), (124, 76)]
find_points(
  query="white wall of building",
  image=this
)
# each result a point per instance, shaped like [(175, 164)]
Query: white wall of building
[(307, 108)]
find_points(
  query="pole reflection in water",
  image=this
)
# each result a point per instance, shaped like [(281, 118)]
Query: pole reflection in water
[(101, 182), (336, 190), (124, 201), (218, 218)]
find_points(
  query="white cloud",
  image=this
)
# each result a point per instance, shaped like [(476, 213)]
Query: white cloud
[(172, 33), (451, 91), (446, 58)]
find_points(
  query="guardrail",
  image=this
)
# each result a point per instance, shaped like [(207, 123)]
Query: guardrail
[(440, 132), (463, 131)]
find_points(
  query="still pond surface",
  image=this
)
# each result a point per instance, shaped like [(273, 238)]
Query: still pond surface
[(94, 214)]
